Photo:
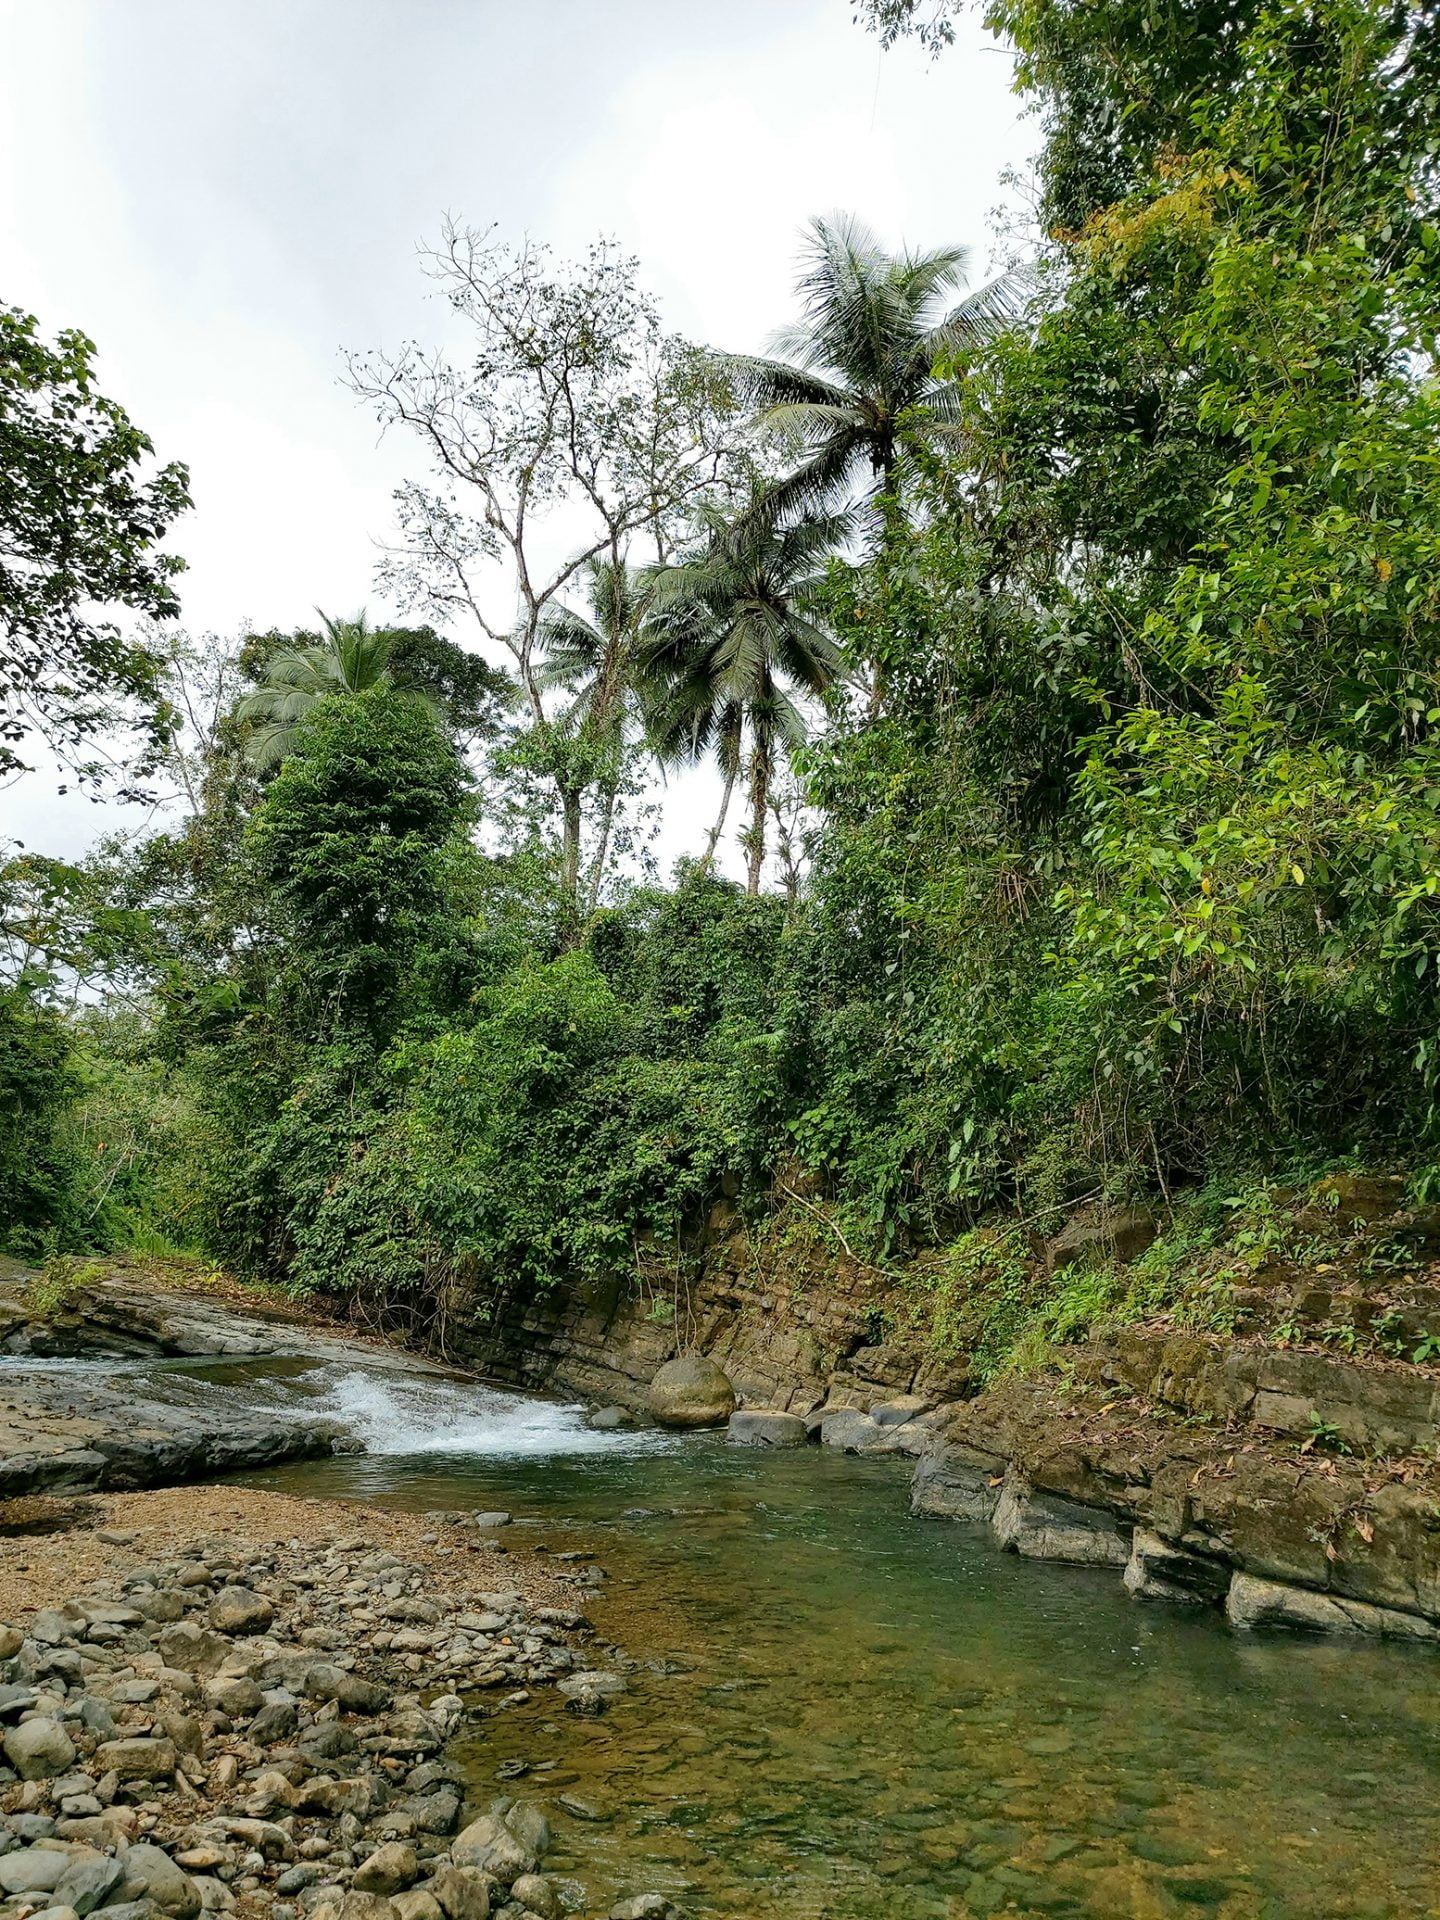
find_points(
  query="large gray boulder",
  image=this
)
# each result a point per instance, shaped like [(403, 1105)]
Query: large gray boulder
[(39, 1749), (193, 1649), (691, 1391), (895, 1413), (33, 1870), (463, 1893), (238, 1610), (89, 1879), (151, 1874), (390, 1869), (489, 1844), (764, 1427), (849, 1430)]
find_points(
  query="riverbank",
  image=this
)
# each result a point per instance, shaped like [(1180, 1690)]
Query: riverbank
[(229, 1700), (1235, 1407), (808, 1656), (66, 1430)]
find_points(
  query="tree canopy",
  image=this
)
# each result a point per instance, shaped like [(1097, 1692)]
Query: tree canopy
[(80, 534)]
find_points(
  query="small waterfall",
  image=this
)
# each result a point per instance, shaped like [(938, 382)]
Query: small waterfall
[(396, 1414), (390, 1412)]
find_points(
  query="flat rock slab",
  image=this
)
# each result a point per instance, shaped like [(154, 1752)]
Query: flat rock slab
[(763, 1427), (81, 1434), (88, 1431), (124, 1315)]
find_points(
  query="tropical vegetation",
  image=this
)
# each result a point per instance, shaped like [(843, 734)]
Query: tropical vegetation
[(1074, 644)]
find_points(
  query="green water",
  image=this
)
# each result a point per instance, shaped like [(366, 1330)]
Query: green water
[(870, 1715)]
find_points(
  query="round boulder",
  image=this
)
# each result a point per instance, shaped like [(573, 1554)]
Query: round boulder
[(238, 1610), (849, 1430), (691, 1391), (150, 1874), (39, 1749), (390, 1869)]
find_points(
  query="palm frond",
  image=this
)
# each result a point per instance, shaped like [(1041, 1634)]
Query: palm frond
[(980, 316), (762, 383)]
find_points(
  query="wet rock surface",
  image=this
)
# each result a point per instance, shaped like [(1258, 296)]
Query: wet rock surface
[(1192, 1511), (125, 1312), (84, 1431), (762, 1427)]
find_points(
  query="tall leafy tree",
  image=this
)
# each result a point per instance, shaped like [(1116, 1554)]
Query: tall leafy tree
[(570, 400), (350, 656), (80, 533), (349, 837), (735, 641), (874, 366)]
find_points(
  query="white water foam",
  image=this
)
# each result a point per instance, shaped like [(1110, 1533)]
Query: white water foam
[(393, 1414), (388, 1413)]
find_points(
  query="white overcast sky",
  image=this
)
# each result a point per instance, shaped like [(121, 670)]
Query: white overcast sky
[(226, 193)]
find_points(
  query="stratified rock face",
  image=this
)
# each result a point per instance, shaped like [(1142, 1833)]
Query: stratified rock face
[(956, 1482), (691, 1391), (1101, 1233), (1041, 1526), (1193, 1519), (762, 1427), (1271, 1603), (1159, 1571)]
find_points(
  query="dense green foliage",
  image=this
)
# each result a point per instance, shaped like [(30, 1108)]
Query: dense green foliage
[(79, 531), (1124, 830)]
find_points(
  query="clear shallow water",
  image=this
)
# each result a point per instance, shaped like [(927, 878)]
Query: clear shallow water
[(874, 1716)]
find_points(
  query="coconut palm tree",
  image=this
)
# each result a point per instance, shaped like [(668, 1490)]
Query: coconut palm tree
[(352, 656), (875, 364), (733, 641), (591, 658), (594, 660)]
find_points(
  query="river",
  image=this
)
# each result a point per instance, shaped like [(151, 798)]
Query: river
[(842, 1711)]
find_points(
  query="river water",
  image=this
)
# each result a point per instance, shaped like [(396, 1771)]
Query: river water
[(854, 1714)]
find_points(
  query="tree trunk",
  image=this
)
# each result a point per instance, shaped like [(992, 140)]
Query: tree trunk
[(892, 522), (759, 807), (570, 863), (707, 859), (602, 852)]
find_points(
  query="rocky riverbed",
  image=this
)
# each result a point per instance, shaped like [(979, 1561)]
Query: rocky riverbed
[(238, 1702)]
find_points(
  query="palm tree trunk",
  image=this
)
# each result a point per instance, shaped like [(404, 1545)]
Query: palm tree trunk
[(892, 522), (759, 806), (707, 859)]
